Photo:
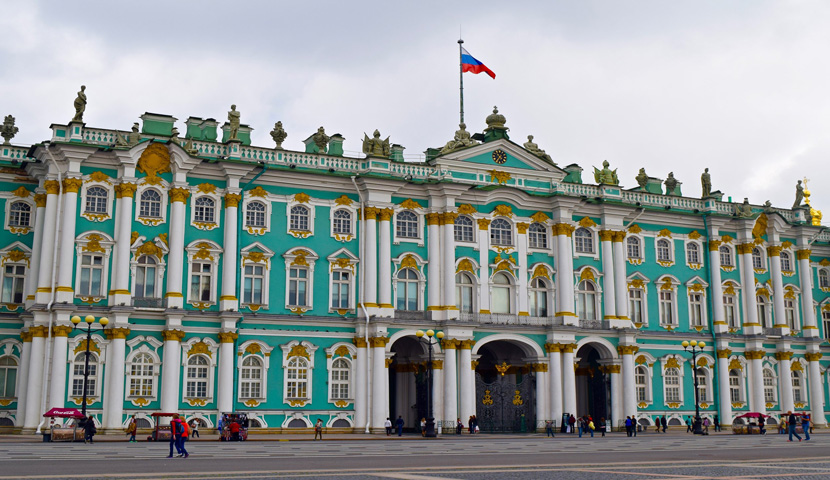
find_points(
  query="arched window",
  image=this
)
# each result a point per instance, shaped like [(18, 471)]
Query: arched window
[(539, 297), (250, 377), (196, 377), (671, 381), (769, 386), (406, 225), (407, 289), (757, 259), (96, 200), (340, 379), (790, 312), (537, 236), (8, 376), (204, 210), (586, 300), (142, 370), (664, 250), (641, 383), (583, 241), (501, 232), (150, 204), (735, 391), (342, 222), (825, 320), (255, 214), (702, 384), (633, 247), (824, 278), (299, 218), (726, 256), (20, 214), (464, 289), (145, 277), (798, 394), (786, 262), (296, 379), (78, 375), (463, 228), (693, 253), (502, 294), (764, 313), (298, 286)]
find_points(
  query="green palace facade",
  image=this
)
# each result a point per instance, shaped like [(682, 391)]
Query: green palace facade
[(290, 284)]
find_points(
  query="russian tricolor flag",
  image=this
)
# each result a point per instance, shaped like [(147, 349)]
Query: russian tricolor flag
[(470, 64)]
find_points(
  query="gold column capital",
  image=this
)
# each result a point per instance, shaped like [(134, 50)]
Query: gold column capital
[(803, 254), (39, 331), (539, 367), (553, 347), (606, 235), (567, 347), (619, 236), (359, 342), (72, 185), (378, 342), (448, 218), (52, 187), (783, 356), (40, 200), (563, 229), (813, 357), (755, 354), (179, 194), (724, 353), (627, 349), (125, 189), (120, 333), (483, 224), (437, 364), (774, 250), (433, 218), (25, 337), (371, 213), (61, 330), (744, 248), (521, 227), (450, 344), (467, 344), (385, 214), (227, 337), (714, 245), (174, 335), (232, 200)]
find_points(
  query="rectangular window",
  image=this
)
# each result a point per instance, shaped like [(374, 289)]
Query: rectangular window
[(200, 281), (797, 398), (92, 271), (672, 388), (734, 388), (253, 282), (702, 386), (13, 278), (729, 311), (696, 309), (78, 379), (825, 320), (635, 305), (340, 288), (769, 389), (464, 298), (298, 287), (667, 307), (789, 313)]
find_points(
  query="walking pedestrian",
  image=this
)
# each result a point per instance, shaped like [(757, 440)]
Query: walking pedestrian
[(602, 425), (459, 427), (628, 426), (634, 425), (318, 429), (663, 423), (688, 424), (174, 434), (399, 425), (791, 425), (194, 429), (470, 424), (805, 425), (549, 428), (717, 423), (89, 429), (706, 426), (580, 424), (388, 426), (183, 438), (761, 424), (131, 429)]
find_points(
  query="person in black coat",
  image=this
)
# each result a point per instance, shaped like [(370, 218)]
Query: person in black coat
[(89, 429), (663, 423)]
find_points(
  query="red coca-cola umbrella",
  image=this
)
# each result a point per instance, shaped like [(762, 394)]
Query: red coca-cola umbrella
[(64, 413), (752, 415)]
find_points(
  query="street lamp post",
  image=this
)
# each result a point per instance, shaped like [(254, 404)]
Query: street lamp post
[(694, 346), (430, 342), (89, 319)]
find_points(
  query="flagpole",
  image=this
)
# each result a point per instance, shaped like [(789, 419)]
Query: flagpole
[(461, 79)]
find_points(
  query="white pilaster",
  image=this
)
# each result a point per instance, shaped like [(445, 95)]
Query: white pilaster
[(609, 292), (617, 414), (370, 264), (34, 389), (66, 245), (170, 368), (521, 247), (725, 409), (31, 283), (57, 379), (756, 369), (751, 325), (448, 272), (805, 278), (114, 386), (785, 381), (629, 393), (450, 380), (568, 380), (555, 381), (361, 404), (23, 378), (715, 286), (175, 266), (121, 263), (44, 276), (465, 381), (380, 376), (816, 390), (484, 270), (620, 280), (224, 391), (229, 300), (384, 265), (774, 254), (438, 394), (434, 267), (565, 281), (542, 398)]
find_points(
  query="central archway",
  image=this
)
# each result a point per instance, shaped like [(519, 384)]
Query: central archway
[(408, 381), (593, 381)]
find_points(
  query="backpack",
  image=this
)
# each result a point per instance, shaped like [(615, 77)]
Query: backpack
[(179, 428)]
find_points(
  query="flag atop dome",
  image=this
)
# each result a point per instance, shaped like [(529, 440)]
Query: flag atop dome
[(470, 64)]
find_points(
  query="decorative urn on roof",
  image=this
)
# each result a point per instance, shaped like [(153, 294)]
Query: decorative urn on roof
[(495, 126)]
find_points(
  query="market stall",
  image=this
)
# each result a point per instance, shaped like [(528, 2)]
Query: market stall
[(58, 432), (161, 429), (749, 423)]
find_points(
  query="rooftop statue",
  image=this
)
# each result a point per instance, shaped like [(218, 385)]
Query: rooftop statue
[(233, 120), (799, 195), (374, 146), (606, 175), (80, 105), (279, 135), (134, 136), (767, 207), (671, 184), (9, 130), (642, 179), (706, 183), (744, 210), (321, 139), (461, 139), (534, 149)]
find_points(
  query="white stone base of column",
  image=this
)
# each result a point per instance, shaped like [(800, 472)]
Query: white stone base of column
[(122, 298), (174, 301), (569, 319), (781, 330), (227, 304), (64, 296), (809, 331), (721, 327), (619, 322), (752, 329)]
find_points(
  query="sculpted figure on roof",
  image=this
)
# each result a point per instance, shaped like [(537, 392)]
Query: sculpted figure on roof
[(374, 146), (321, 140), (80, 105), (606, 175), (642, 178), (461, 139), (534, 149), (706, 183), (233, 119), (671, 184)]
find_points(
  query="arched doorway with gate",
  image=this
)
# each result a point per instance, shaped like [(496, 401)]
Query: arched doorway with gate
[(505, 386), (408, 381), (593, 381)]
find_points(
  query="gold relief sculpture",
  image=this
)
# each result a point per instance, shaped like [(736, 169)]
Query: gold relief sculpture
[(540, 217), (587, 274), (499, 177), (487, 399), (251, 403), (298, 351), (342, 351), (735, 364), (636, 283), (163, 238), (726, 239), (503, 211), (149, 248), (667, 284), (409, 204), (343, 200), (796, 367), (694, 235), (140, 402), (587, 222), (155, 159), (206, 188), (466, 209), (196, 402), (664, 233), (540, 271), (730, 289), (99, 177), (671, 363), (634, 229), (302, 197), (258, 192), (253, 349), (22, 192), (81, 347), (16, 255), (298, 310), (341, 404), (297, 403), (502, 369), (673, 405), (204, 252), (465, 265), (641, 360), (409, 262), (199, 348), (517, 398)]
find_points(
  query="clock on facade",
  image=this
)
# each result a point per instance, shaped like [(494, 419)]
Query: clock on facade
[(499, 156)]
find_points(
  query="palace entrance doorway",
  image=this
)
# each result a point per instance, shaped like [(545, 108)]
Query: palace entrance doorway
[(593, 384), (408, 382), (505, 389)]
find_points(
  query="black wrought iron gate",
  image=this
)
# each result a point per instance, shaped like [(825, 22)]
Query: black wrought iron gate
[(506, 406)]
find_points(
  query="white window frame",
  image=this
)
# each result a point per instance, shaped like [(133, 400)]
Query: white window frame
[(761, 257), (707, 374), (649, 394), (542, 235), (345, 237), (594, 253), (92, 216), (802, 383), (826, 272), (137, 345), (151, 221), (343, 261), (694, 265), (287, 350), (302, 258), (16, 367), (207, 252), (512, 288), (638, 259), (789, 255), (260, 255), (735, 304), (21, 229), (704, 321), (249, 197), (92, 243), (7, 261), (141, 377), (262, 351), (680, 377), (824, 314), (217, 213), (727, 250), (420, 219), (666, 262), (161, 265), (791, 304), (741, 382), (661, 289), (473, 286), (251, 381), (770, 388), (597, 294), (473, 229), (763, 303), (74, 343), (546, 291), (332, 355), (406, 261), (246, 213), (211, 355), (510, 230)]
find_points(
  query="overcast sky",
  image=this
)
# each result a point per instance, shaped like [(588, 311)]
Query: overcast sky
[(740, 87)]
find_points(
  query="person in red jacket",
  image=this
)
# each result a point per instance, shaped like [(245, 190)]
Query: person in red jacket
[(234, 431), (183, 438)]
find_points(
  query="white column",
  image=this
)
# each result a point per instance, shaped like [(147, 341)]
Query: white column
[(616, 397), (361, 404), (629, 394), (620, 278), (756, 369), (725, 409), (805, 279), (229, 300), (380, 380), (34, 389), (555, 381), (521, 244), (44, 275), (370, 263), (170, 369), (816, 389), (450, 379), (542, 391), (114, 400), (785, 381), (715, 286), (384, 265), (484, 269), (66, 245), (448, 272), (438, 393), (121, 266), (34, 261), (224, 392), (465, 381), (175, 265), (751, 325), (774, 254), (434, 267), (609, 292), (23, 378), (565, 279), (57, 379), (568, 380)]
